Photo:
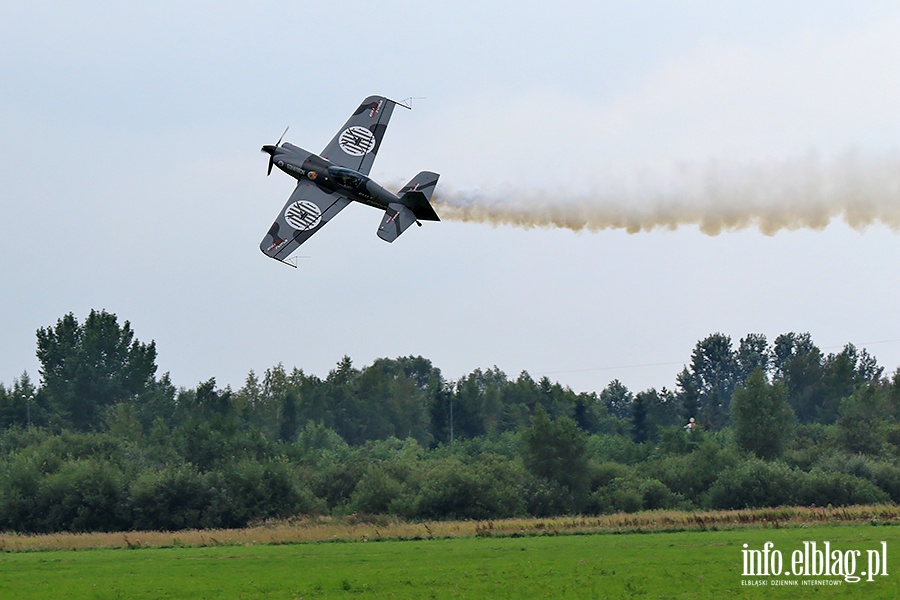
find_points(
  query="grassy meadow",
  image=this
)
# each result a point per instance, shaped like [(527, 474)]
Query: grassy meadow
[(494, 563)]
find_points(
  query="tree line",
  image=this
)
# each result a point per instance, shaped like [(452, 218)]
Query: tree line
[(102, 442)]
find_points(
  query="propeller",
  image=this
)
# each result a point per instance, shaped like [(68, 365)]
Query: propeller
[(270, 150)]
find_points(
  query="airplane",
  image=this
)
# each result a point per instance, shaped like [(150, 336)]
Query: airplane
[(328, 182)]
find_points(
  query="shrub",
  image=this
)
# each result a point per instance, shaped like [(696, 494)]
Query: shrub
[(603, 474), (616, 448), (655, 495), (691, 475), (838, 489), (247, 490), (631, 494), (485, 489), (170, 499), (83, 495), (753, 484), (887, 477), (375, 492), (335, 482), (20, 480), (547, 498)]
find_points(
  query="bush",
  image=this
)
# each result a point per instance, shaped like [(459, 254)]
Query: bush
[(486, 489), (247, 490), (887, 477), (883, 474), (170, 499), (631, 494), (335, 482), (83, 495), (209, 445), (655, 495), (690, 476), (837, 489), (626, 500), (677, 440), (18, 438), (375, 492), (547, 498), (604, 473), (616, 448), (20, 480), (620, 495), (71, 445), (754, 484)]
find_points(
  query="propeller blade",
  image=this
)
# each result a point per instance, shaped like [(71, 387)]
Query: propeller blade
[(282, 136), (270, 150)]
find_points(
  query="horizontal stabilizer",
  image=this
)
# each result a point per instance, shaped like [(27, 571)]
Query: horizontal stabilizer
[(417, 195), (397, 218)]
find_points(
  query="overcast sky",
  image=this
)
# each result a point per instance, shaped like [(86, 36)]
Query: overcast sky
[(132, 180)]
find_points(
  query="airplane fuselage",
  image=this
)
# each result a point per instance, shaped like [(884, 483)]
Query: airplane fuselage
[(330, 178), (329, 181)]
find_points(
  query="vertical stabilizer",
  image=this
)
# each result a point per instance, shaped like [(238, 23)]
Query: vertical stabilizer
[(416, 195)]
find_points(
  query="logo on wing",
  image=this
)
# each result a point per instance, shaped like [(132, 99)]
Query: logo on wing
[(357, 141), (303, 215)]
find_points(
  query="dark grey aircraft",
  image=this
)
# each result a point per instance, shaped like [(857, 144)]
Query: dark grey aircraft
[(328, 182)]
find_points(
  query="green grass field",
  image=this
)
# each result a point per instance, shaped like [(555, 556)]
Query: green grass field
[(697, 564)]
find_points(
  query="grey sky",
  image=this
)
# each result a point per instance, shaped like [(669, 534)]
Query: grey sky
[(132, 179)]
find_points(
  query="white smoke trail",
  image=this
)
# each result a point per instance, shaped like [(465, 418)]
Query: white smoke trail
[(772, 196)]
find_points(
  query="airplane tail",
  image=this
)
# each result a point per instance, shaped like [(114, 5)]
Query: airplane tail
[(396, 219), (417, 195), (414, 206)]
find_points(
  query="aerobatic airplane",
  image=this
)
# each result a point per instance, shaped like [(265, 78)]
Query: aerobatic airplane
[(328, 182)]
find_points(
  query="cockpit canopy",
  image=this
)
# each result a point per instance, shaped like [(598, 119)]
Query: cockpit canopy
[(344, 177)]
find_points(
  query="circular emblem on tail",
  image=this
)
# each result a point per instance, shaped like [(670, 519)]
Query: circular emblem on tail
[(357, 141), (303, 215)]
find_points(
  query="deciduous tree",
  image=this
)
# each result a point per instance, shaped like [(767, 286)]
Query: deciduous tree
[(763, 421), (88, 367), (557, 451)]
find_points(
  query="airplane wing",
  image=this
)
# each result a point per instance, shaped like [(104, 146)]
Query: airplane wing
[(306, 212), (356, 144)]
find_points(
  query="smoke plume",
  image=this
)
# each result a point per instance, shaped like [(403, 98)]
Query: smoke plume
[(771, 196)]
